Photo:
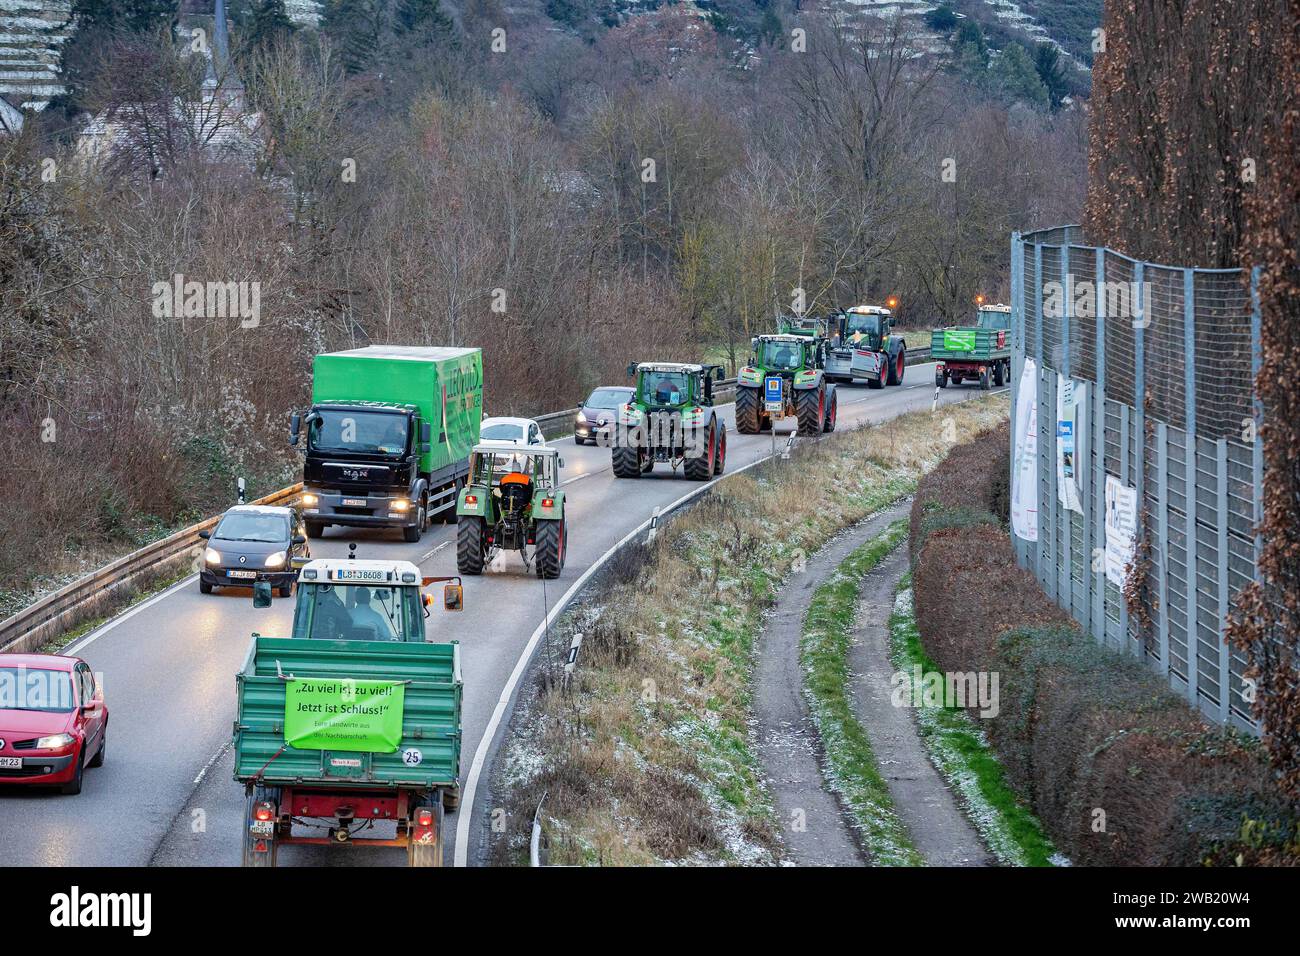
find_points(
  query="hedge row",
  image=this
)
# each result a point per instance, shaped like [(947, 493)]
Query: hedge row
[(1118, 768)]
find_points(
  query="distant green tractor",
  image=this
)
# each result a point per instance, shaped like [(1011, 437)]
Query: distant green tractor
[(670, 419), (789, 368), (512, 502)]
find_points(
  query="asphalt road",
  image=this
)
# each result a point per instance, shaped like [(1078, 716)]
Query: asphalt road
[(165, 795)]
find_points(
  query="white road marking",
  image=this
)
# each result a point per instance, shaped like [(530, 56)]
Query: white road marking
[(428, 555), (81, 643), (466, 816), (208, 766)]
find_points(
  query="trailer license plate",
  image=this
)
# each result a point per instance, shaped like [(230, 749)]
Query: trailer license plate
[(262, 827), (242, 574), (11, 763), (354, 502)]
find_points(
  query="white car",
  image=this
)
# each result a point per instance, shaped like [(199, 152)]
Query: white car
[(510, 431)]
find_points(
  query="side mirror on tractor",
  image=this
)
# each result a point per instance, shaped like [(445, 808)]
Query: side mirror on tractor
[(295, 426), (631, 369), (453, 597), (261, 594)]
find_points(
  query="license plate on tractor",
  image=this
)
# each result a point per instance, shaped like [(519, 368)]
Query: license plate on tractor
[(11, 763)]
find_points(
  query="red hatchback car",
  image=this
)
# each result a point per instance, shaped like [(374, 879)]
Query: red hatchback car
[(53, 720)]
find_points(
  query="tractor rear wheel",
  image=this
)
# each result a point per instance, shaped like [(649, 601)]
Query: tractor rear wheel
[(700, 467), (896, 368), (552, 538), (832, 413), (627, 462), (720, 459), (808, 406), (748, 415), (469, 545)]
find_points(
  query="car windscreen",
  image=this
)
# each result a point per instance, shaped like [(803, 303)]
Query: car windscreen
[(247, 526), (608, 398), (359, 612), (358, 432), (31, 688), (666, 388), (502, 431)]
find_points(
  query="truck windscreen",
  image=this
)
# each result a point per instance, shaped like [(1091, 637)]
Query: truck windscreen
[(358, 432)]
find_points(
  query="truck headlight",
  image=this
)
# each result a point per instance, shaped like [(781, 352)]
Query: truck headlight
[(400, 504), (310, 499), (276, 560), (54, 742), (212, 556)]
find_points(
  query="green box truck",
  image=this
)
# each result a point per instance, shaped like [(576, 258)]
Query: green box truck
[(388, 436), (348, 731), (980, 353)]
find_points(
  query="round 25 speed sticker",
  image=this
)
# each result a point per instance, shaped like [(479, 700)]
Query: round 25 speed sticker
[(412, 757)]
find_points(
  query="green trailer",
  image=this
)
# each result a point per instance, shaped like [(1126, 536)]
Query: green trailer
[(389, 434), (348, 731), (976, 353)]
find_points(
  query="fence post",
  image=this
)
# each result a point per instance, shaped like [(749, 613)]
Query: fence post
[(1221, 489), (1189, 387), (1139, 403), (1065, 556), (1099, 458)]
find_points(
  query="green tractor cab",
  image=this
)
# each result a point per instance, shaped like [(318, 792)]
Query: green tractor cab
[(793, 365), (512, 502), (670, 419)]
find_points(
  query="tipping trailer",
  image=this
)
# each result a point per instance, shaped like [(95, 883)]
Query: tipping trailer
[(389, 434), (348, 731), (981, 353)]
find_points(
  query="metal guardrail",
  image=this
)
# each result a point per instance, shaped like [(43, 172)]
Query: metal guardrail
[(53, 614), (31, 627)]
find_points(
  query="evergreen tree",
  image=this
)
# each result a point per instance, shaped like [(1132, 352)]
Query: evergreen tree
[(356, 25), (269, 24), (1047, 61), (1015, 78)]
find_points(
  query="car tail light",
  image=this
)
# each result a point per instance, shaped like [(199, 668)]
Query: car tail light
[(548, 502), (264, 811), (471, 499), (424, 817)]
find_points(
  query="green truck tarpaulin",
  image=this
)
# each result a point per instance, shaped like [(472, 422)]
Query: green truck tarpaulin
[(358, 715), (955, 340)]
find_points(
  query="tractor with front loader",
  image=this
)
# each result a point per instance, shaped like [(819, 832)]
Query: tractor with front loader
[(790, 369), (670, 420), (512, 501)]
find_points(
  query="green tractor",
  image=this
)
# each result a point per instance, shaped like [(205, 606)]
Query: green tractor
[(670, 419), (512, 502), (790, 369)]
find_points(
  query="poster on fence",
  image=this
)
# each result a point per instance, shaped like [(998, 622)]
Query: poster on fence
[(1121, 528), (1070, 397), (1024, 463)]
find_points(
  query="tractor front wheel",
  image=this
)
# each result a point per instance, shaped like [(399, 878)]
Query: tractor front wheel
[(700, 467), (808, 406), (748, 414), (470, 549), (627, 462), (552, 543), (896, 368)]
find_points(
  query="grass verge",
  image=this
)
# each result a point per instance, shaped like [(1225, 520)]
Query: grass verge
[(961, 753), (850, 765), (648, 757)]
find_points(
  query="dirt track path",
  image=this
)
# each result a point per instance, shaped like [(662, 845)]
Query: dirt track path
[(814, 825)]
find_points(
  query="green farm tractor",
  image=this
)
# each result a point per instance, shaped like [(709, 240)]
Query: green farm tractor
[(670, 419), (512, 502), (789, 369)]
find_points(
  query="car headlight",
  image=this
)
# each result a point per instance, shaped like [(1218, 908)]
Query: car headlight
[(212, 556), (400, 504), (54, 742), (276, 560), (309, 499), (582, 419)]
